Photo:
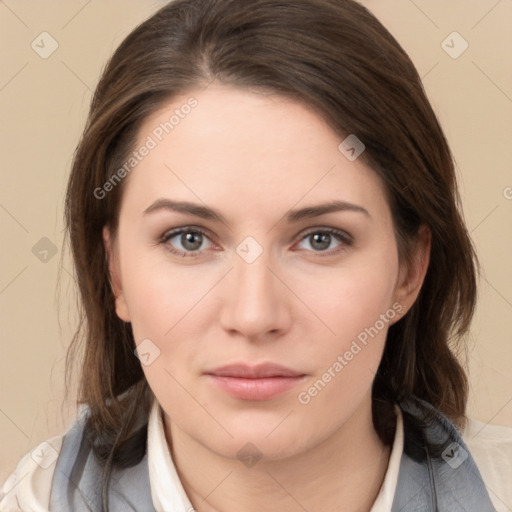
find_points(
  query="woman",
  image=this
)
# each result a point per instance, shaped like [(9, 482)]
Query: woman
[(264, 219)]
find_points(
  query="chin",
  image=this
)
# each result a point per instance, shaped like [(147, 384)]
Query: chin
[(250, 450), (266, 437)]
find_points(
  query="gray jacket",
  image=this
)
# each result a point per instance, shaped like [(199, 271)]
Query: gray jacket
[(437, 472)]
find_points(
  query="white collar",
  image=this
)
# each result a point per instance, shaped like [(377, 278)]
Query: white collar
[(167, 490), (384, 500)]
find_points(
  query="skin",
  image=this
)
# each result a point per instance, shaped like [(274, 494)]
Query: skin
[(253, 157)]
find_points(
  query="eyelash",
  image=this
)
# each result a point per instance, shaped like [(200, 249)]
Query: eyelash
[(342, 237)]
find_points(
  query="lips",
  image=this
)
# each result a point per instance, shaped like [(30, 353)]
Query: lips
[(254, 372), (254, 382)]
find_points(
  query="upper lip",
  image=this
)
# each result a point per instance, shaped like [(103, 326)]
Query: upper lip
[(259, 371)]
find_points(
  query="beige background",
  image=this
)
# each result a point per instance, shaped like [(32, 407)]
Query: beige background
[(43, 105)]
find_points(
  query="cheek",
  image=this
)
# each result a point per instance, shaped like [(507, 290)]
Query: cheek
[(359, 313), (352, 297), (171, 306), (356, 303), (168, 305), (161, 296)]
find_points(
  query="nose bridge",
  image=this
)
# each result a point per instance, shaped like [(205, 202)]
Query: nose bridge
[(254, 280), (254, 305)]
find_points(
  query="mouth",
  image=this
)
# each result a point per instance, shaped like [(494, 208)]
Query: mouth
[(255, 383)]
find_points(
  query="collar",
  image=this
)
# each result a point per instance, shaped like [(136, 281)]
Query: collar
[(437, 472)]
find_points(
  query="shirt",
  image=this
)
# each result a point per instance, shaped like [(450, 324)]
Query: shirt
[(28, 487)]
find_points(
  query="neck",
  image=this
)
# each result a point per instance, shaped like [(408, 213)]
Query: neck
[(346, 468)]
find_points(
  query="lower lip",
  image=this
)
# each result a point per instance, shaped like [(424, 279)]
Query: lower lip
[(255, 389)]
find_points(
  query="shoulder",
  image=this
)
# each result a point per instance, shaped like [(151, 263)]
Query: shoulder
[(29, 485), (436, 452), (63, 473), (491, 448)]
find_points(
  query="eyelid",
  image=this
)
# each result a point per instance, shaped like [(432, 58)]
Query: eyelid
[(183, 229), (346, 237)]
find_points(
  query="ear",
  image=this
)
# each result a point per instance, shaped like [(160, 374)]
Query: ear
[(115, 281), (412, 273)]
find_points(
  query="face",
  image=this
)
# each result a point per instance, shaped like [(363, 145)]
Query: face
[(259, 269)]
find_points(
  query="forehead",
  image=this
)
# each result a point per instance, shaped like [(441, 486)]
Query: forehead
[(238, 147)]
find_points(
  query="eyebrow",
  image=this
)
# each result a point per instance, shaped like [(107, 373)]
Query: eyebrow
[(291, 216)]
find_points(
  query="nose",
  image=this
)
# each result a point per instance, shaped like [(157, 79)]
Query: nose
[(256, 303)]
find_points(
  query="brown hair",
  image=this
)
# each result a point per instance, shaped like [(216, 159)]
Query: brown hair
[(337, 58)]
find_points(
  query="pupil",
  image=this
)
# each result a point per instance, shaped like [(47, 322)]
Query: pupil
[(188, 241), (322, 239)]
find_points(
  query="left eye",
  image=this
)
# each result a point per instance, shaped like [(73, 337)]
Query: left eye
[(321, 240)]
